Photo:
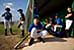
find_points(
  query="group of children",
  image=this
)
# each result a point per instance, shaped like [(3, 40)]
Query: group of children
[(61, 28), (8, 19), (37, 30), (54, 25)]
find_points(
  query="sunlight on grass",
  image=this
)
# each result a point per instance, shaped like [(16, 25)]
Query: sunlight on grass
[(14, 28), (1, 28)]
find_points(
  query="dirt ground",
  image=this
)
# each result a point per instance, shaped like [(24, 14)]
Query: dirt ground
[(8, 42), (52, 43)]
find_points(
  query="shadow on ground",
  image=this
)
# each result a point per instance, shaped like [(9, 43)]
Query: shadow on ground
[(54, 39)]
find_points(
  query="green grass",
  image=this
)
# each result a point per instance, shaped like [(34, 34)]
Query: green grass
[(1, 28), (14, 28)]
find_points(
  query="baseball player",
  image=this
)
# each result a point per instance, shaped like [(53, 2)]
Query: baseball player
[(36, 31), (21, 22), (7, 20)]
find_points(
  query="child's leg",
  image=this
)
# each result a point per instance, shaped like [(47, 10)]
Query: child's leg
[(5, 26), (42, 34), (22, 33), (31, 41), (10, 27), (33, 35), (22, 30), (55, 26)]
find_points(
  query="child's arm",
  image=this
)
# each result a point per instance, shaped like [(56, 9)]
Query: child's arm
[(68, 15), (3, 15)]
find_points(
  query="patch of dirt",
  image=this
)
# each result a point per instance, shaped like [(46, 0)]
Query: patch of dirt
[(8, 42)]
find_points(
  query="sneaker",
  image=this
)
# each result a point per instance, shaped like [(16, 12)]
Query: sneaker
[(41, 39), (31, 41)]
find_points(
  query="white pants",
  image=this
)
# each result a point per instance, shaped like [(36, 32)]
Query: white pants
[(22, 26), (7, 24), (34, 33), (47, 25), (68, 24), (55, 27)]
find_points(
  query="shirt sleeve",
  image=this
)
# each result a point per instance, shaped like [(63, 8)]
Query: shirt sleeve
[(3, 14)]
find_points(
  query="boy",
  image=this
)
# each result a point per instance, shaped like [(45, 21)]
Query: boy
[(22, 21), (35, 31), (7, 18), (58, 26), (58, 22), (69, 22)]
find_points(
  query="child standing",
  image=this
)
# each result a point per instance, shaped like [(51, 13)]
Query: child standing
[(7, 20), (22, 22)]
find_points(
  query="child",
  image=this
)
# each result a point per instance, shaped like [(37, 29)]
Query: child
[(58, 26), (36, 31), (22, 21), (7, 18), (69, 22)]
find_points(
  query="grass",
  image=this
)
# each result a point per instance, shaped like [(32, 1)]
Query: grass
[(8, 42), (14, 28), (1, 28)]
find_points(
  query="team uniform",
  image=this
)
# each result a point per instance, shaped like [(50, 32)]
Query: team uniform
[(69, 24), (34, 33), (7, 21), (59, 24), (33, 30), (22, 22)]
